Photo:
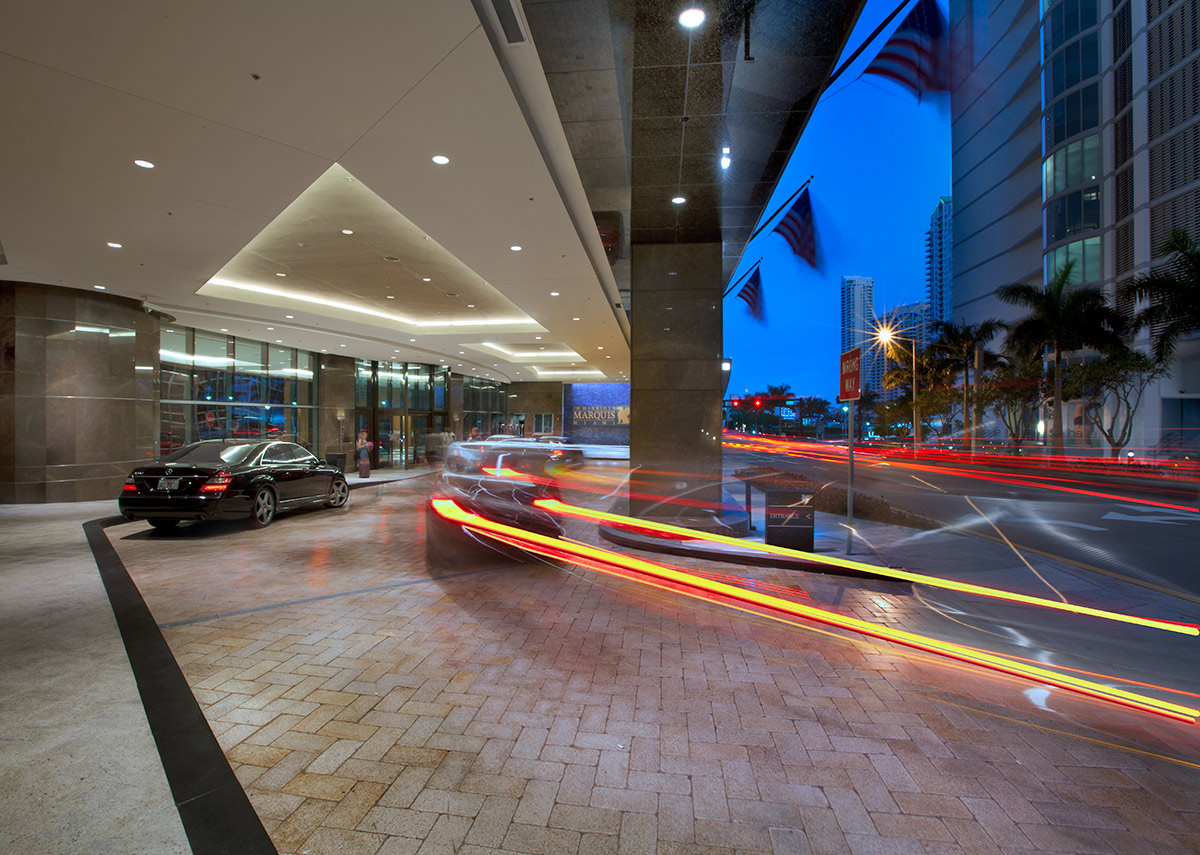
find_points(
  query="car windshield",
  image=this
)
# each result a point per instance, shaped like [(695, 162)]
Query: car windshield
[(210, 452)]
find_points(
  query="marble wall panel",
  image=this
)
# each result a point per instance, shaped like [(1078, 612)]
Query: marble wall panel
[(335, 396), (81, 416)]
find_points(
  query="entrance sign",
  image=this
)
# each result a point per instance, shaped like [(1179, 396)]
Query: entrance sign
[(850, 387)]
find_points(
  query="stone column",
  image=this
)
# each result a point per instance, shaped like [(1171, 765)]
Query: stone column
[(78, 392), (335, 396), (676, 382)]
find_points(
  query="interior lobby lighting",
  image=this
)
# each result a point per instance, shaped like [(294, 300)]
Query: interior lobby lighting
[(574, 319), (426, 279), (281, 274), (290, 317), (347, 231), (100, 287), (678, 200), (114, 244), (441, 159), (553, 293), (691, 18), (390, 297), (223, 329), (515, 248), (293, 297), (144, 164), (725, 161)]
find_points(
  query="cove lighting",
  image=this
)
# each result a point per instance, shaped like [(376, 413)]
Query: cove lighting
[(349, 307), (144, 164), (691, 18)]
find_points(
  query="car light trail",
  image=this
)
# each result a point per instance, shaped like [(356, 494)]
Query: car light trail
[(556, 507), (582, 553)]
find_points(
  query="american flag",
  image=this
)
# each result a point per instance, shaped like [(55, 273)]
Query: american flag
[(797, 229), (916, 56), (752, 293)]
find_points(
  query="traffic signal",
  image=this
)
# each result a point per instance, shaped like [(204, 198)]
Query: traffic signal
[(758, 403), (736, 402)]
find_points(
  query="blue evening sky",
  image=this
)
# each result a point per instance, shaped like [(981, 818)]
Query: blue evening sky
[(880, 161)]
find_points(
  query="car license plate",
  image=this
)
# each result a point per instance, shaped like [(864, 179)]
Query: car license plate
[(169, 483)]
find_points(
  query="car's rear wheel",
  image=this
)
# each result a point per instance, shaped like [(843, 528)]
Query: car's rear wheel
[(164, 525), (263, 509), (339, 493)]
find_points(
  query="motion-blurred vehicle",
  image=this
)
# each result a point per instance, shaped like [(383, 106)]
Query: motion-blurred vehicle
[(224, 479), (498, 481)]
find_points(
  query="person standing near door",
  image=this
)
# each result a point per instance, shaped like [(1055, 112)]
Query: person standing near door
[(362, 453)]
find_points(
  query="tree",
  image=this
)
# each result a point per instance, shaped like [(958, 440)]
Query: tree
[(964, 347), (1118, 380), (814, 409), (1061, 318), (934, 376), (1173, 291), (1015, 392), (778, 392)]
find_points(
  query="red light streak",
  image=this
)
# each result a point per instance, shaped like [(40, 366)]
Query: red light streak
[(556, 507), (590, 556)]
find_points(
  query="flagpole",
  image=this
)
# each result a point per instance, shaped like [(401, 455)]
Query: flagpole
[(775, 213), (739, 282), (863, 46)]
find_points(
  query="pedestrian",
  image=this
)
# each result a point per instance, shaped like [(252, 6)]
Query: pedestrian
[(362, 453), (474, 436)]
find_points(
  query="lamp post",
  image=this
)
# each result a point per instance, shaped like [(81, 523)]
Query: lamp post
[(886, 336)]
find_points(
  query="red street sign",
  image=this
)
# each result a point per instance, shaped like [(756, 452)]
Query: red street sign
[(850, 388)]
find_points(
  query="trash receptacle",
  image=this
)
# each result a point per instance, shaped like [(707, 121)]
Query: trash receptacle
[(337, 460), (791, 519)]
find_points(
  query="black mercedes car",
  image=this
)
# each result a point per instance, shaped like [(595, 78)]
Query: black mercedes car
[(224, 479)]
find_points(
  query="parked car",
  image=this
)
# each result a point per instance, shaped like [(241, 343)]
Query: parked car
[(223, 479)]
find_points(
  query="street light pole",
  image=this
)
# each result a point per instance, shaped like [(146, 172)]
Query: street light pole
[(916, 410)]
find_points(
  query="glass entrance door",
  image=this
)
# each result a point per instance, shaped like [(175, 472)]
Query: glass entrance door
[(418, 451), (390, 442)]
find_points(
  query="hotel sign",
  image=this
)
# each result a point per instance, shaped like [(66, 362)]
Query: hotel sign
[(599, 416), (850, 387)]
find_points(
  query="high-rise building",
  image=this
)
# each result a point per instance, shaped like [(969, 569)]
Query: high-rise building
[(858, 328), (939, 261), (1081, 146)]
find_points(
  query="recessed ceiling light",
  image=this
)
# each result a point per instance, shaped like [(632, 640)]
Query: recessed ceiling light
[(224, 330), (600, 348), (270, 329), (412, 339), (426, 279), (470, 305), (574, 319), (347, 231), (515, 248), (608, 357), (144, 164), (553, 293), (290, 317), (281, 274), (678, 200), (391, 297), (691, 17), (100, 287), (537, 338), (441, 159), (341, 345), (397, 350), (114, 244), (279, 341), (462, 353)]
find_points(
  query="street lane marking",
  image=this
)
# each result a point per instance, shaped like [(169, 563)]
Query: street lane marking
[(927, 484), (1015, 550)]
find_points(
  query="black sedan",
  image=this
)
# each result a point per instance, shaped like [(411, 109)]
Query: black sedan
[(227, 479)]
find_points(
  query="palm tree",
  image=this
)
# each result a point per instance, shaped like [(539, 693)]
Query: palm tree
[(963, 346), (1174, 294), (1062, 318)]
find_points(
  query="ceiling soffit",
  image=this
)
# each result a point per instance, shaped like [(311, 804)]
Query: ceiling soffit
[(649, 105)]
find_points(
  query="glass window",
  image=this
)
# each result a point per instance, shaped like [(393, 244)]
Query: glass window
[(1085, 253), (210, 452), (1073, 114), (362, 383), (175, 355), (212, 362), (391, 385), (419, 377), (1078, 162), (1067, 20), (1073, 64), (1073, 213), (441, 381), (250, 370)]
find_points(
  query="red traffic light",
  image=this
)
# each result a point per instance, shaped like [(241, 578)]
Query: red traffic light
[(758, 402), (735, 402)]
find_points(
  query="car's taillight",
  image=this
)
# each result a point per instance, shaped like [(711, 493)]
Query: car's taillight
[(217, 483), (130, 485), (556, 454)]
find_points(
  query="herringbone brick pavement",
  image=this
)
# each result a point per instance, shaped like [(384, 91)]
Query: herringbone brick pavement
[(369, 707)]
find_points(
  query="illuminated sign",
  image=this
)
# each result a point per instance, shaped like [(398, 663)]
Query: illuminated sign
[(599, 416)]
